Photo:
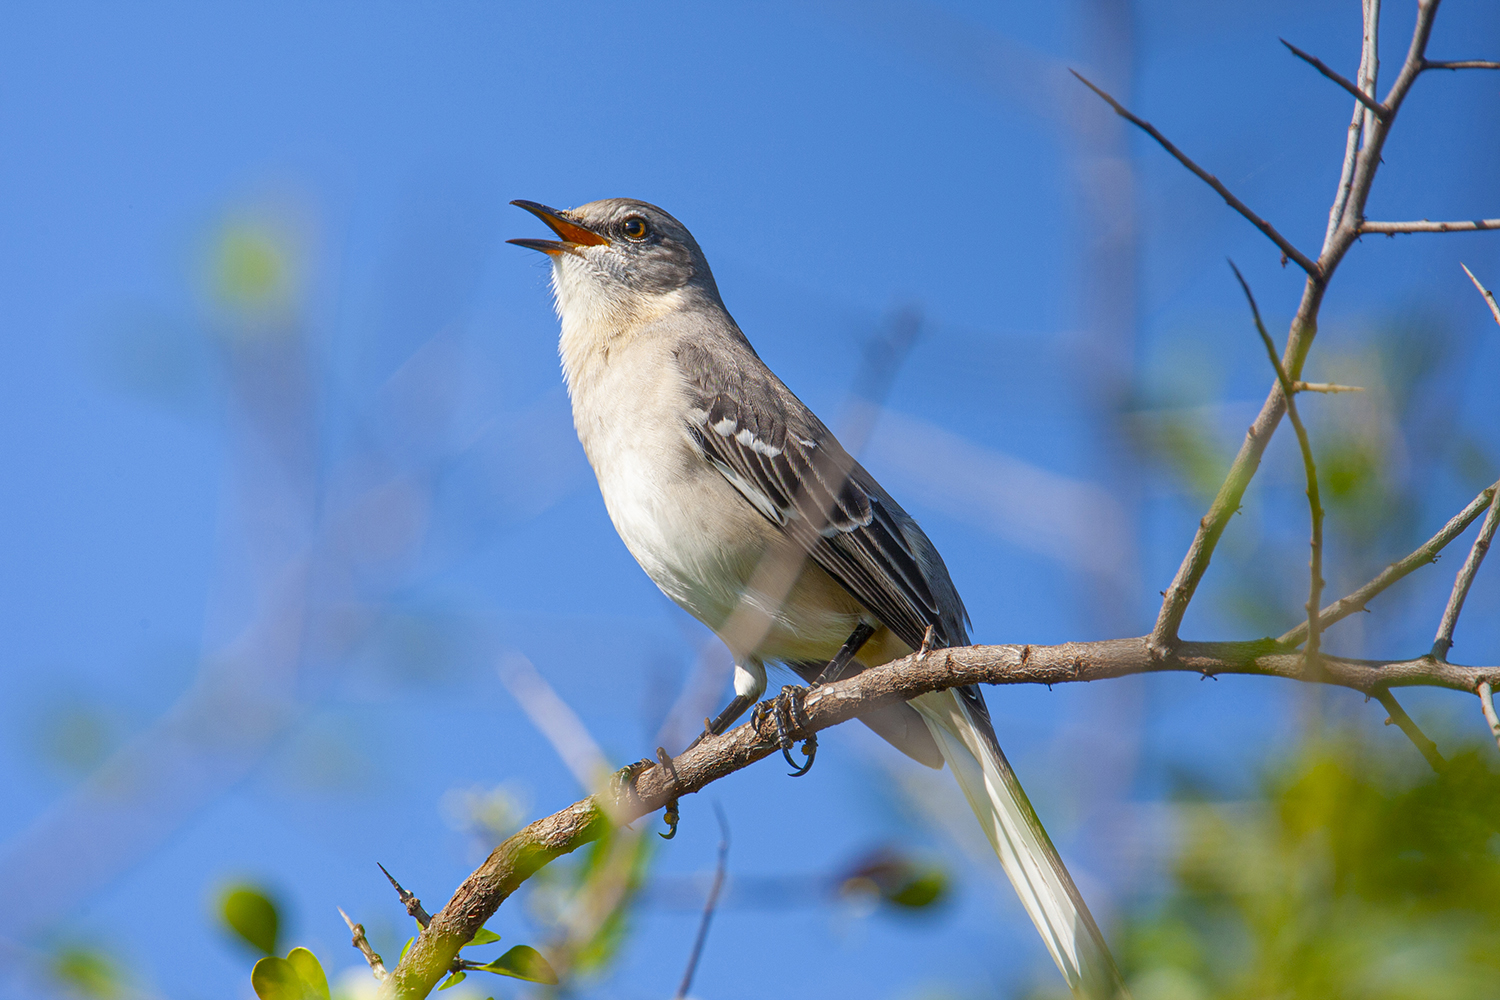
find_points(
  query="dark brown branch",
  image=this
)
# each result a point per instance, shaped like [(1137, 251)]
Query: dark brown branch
[(1318, 64), (1427, 553), (1303, 261), (1461, 64), (1489, 296), (720, 870), (1419, 739), (1425, 226), (514, 861), (1309, 468), (377, 966), (408, 899), (1444, 640)]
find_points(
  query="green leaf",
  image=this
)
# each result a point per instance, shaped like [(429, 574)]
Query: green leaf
[(454, 979), (483, 936), (404, 949), (89, 972), (523, 962), (247, 911), (277, 979), (310, 970)]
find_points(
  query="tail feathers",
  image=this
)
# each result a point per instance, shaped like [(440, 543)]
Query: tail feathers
[(1053, 902)]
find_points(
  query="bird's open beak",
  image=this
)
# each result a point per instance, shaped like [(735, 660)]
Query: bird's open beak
[(573, 235)]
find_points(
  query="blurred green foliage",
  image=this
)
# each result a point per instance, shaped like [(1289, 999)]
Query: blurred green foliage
[(901, 881), (87, 971), (1356, 876), (253, 266), (248, 913)]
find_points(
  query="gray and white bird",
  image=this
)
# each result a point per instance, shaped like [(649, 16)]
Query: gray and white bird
[(744, 509)]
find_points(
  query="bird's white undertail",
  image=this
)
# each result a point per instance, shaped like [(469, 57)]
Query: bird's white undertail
[(1026, 853)]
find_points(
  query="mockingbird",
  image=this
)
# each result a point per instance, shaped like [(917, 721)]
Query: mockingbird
[(744, 509)]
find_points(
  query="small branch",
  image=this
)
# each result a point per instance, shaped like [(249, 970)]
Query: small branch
[(377, 967), (1419, 739), (1427, 553), (1310, 469), (408, 899), (708, 905), (1489, 296), (1424, 226), (1303, 261), (1461, 64), (1318, 64), (1329, 387), (1369, 73), (1462, 582), (1487, 706)]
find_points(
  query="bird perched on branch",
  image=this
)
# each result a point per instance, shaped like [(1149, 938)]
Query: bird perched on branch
[(744, 509)]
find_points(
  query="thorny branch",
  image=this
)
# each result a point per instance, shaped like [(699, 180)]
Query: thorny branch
[(1317, 64), (1424, 226), (1427, 553), (1362, 159), (523, 854), (1487, 706), (1285, 244), (1489, 296), (377, 967), (1444, 639), (1399, 718), (1310, 469)]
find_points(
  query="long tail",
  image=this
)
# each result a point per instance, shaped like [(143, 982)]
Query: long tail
[(960, 723)]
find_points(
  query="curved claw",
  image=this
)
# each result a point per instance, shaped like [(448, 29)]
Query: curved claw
[(671, 817), (810, 748)]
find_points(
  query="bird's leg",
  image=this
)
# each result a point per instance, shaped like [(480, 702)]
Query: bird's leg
[(847, 652), (671, 816), (787, 711), (720, 723), (749, 684)]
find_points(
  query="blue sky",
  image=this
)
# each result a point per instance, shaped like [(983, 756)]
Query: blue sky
[(382, 467)]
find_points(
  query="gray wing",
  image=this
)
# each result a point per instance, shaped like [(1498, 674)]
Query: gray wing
[(791, 468)]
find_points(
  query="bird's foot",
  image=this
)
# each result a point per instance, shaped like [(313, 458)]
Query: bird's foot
[(787, 711)]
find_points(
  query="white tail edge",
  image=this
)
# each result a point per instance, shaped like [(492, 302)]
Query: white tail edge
[(1026, 853)]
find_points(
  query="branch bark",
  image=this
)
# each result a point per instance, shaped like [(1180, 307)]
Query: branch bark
[(516, 860), (1426, 553), (1360, 166), (1424, 226)]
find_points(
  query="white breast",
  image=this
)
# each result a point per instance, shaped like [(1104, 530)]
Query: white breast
[(692, 533)]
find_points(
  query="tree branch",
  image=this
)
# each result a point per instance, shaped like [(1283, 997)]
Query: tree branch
[(1419, 739), (1318, 64), (1309, 468), (720, 870), (1461, 64), (1425, 226), (1327, 387), (1344, 222), (1489, 296), (1444, 640), (1487, 706), (377, 967), (1303, 261), (519, 857), (1346, 606)]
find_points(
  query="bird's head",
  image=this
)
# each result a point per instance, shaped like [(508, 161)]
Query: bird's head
[(619, 258)]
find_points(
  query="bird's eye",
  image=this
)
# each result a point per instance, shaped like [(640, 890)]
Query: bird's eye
[(635, 228)]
